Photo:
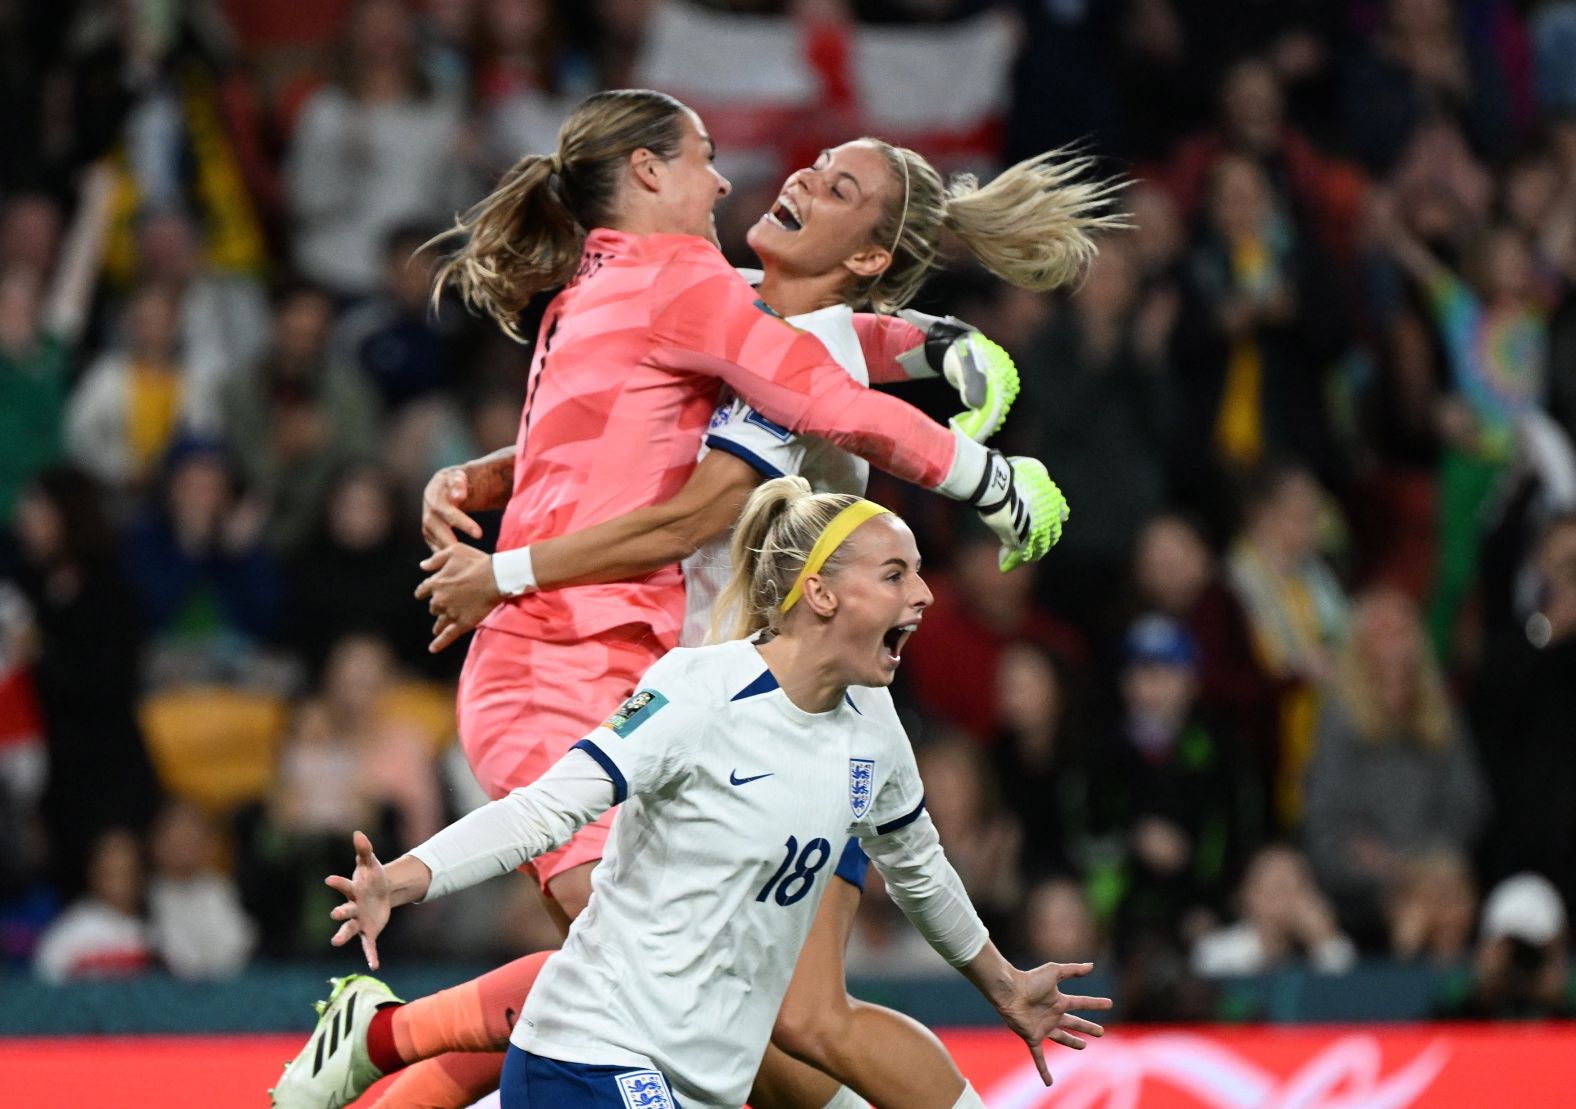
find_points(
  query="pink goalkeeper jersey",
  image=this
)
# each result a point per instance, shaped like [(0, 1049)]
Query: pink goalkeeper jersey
[(623, 382)]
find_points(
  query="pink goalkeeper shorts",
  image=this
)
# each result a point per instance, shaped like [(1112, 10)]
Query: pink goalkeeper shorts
[(524, 702)]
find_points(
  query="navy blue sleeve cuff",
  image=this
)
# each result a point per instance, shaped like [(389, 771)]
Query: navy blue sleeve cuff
[(620, 786), (718, 443), (900, 822)]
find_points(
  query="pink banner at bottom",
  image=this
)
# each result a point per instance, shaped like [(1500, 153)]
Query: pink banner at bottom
[(1338, 1067)]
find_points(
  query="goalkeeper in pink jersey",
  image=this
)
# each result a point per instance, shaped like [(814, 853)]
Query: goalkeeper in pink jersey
[(621, 387)]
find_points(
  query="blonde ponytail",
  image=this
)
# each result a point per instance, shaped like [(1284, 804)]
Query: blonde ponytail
[(1032, 226), (528, 234), (771, 542)]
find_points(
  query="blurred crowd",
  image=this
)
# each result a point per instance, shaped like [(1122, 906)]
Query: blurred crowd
[(1297, 688)]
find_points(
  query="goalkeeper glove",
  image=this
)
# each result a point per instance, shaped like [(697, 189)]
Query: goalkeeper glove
[(1020, 503), (980, 370)]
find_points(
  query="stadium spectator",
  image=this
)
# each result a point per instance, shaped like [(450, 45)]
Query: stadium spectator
[(23, 762), (524, 81), (99, 774), (1171, 786), (1522, 966), (1103, 416), (1493, 331), (197, 925), (297, 417), (370, 151), (983, 842), (134, 402), (1434, 909), (1553, 29), (1176, 573), (223, 316), (347, 725), (1321, 194), (104, 933), (152, 93), (1393, 773), (1041, 760), (346, 765), (357, 575), (1420, 64), (396, 338), (34, 366), (1058, 922), (950, 671), (1258, 326), (31, 225), (1532, 768), (1296, 609), (209, 588), (1285, 920)]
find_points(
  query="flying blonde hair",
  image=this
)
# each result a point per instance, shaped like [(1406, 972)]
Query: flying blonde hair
[(1032, 225)]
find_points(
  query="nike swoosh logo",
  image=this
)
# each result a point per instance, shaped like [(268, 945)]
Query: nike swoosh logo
[(735, 780)]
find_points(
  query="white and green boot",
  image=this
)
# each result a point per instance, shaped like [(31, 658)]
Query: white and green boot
[(333, 1068)]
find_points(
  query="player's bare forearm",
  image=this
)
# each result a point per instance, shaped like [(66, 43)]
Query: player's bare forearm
[(489, 481), (409, 880), (992, 975), (649, 538)]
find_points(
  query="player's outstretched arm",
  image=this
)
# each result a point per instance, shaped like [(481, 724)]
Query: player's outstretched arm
[(491, 841), (924, 885), (1032, 1004), (465, 584)]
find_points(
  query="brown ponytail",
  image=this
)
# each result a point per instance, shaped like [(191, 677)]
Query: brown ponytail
[(527, 235)]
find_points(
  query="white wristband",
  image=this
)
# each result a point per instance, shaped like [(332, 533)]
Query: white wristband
[(969, 462), (513, 573)]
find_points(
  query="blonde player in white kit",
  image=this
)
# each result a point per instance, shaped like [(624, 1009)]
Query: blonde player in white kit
[(739, 768)]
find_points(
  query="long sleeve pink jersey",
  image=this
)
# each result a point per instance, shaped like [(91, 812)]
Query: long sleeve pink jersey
[(623, 382)]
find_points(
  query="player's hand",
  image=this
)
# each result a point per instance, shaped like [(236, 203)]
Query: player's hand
[(460, 591), (981, 371), (1037, 1010), (1019, 502), (367, 905), (441, 514)]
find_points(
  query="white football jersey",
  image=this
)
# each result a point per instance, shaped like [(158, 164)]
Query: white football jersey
[(735, 805), (774, 451)]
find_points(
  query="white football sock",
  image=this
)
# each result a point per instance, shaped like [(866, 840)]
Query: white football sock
[(846, 1099)]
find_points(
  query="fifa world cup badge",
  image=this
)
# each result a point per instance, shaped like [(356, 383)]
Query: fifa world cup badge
[(645, 1089), (634, 712), (861, 785)]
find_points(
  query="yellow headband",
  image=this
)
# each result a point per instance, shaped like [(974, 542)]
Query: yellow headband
[(841, 527)]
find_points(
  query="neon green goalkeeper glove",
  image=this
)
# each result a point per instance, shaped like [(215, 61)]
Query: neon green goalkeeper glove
[(1018, 501), (981, 371)]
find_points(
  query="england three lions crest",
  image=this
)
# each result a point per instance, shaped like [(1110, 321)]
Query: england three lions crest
[(645, 1089), (861, 785)]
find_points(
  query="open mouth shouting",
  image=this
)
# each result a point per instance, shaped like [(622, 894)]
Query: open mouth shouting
[(892, 642), (785, 214)]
